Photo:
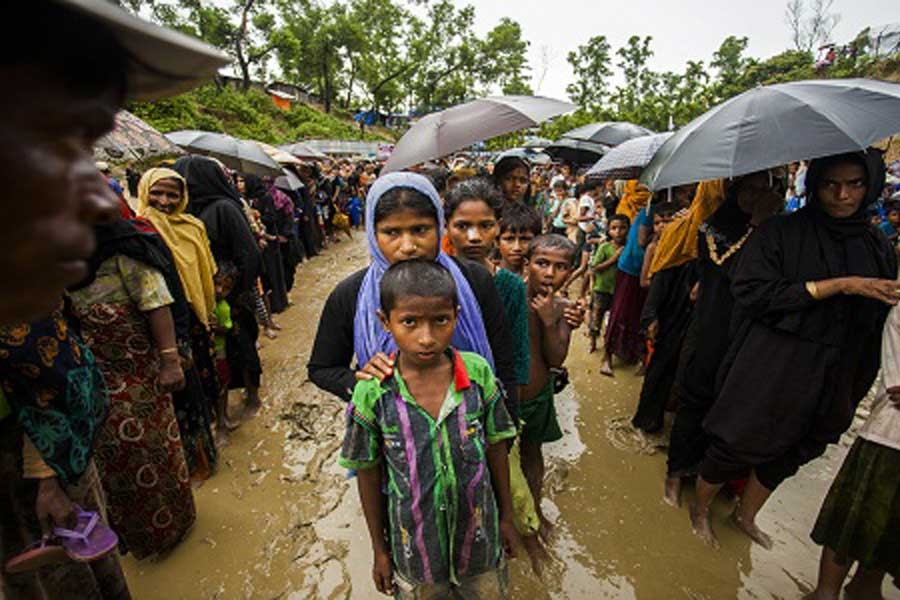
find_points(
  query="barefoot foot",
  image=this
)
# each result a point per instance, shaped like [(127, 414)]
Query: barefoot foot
[(672, 492), (536, 553), (749, 527), (702, 527), (606, 369)]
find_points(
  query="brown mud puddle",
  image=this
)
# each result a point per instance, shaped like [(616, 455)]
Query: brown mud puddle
[(280, 521)]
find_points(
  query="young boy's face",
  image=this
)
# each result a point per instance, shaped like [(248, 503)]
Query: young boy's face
[(223, 286), (472, 229), (548, 270), (894, 217), (875, 219), (513, 246), (659, 224), (422, 327), (618, 231)]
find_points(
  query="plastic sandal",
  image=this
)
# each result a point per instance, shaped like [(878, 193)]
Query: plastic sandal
[(91, 541), (36, 555)]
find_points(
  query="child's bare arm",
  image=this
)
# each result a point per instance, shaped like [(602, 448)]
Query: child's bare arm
[(645, 268), (369, 483), (556, 330), (498, 463), (612, 260)]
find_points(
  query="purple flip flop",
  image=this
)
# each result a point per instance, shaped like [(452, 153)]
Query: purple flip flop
[(90, 540)]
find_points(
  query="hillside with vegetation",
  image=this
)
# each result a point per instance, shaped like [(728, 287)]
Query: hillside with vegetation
[(251, 115)]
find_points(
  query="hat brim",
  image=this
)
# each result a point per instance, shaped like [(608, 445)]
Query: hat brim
[(161, 62)]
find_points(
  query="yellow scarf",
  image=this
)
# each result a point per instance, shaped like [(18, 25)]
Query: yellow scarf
[(678, 243), (635, 197), (185, 235)]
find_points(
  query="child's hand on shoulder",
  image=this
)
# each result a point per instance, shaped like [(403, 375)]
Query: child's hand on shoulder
[(383, 573), (379, 367)]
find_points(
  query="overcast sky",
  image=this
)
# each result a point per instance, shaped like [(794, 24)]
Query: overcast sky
[(682, 30)]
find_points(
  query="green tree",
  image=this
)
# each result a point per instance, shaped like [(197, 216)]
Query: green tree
[(640, 80), (591, 66), (503, 59), (731, 66)]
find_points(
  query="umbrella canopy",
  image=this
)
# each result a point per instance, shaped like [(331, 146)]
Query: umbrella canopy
[(533, 157), (301, 150), (288, 181), (576, 151), (609, 133), (536, 142), (447, 131), (133, 139), (278, 155), (236, 154), (628, 159), (774, 125)]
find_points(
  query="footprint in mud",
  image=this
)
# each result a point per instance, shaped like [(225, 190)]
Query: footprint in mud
[(625, 437)]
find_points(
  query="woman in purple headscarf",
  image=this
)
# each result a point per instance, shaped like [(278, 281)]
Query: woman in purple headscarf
[(405, 219)]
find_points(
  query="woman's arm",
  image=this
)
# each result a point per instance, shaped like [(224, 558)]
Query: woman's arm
[(332, 353), (162, 329)]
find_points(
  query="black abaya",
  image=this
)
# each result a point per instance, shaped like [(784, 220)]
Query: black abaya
[(668, 302)]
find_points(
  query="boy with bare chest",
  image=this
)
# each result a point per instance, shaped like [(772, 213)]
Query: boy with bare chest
[(549, 265)]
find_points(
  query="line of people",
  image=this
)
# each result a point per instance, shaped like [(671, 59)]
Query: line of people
[(761, 331)]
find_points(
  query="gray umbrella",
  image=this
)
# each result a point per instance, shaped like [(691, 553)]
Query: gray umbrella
[(532, 156), (628, 159), (447, 131), (609, 133), (246, 157), (775, 125), (301, 150), (575, 151), (288, 181)]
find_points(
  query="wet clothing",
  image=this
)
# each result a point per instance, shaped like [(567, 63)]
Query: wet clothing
[(330, 363), (797, 368), (538, 415), (860, 517), (511, 289), (138, 451), (707, 337), (442, 514), (678, 242), (623, 334), (668, 302), (490, 585)]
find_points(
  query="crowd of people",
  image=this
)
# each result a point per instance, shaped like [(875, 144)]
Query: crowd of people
[(759, 311), (756, 325)]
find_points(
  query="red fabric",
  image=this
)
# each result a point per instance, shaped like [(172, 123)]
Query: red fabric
[(460, 374)]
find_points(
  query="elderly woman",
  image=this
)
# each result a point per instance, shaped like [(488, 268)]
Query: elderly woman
[(812, 291), (163, 200)]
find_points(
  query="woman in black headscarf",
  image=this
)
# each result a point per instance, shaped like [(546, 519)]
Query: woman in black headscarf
[(812, 291), (745, 203), (273, 265), (215, 201)]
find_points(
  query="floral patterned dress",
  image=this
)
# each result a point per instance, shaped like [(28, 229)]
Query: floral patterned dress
[(139, 452)]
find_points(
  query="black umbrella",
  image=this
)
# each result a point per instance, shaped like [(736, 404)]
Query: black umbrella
[(576, 151), (609, 133)]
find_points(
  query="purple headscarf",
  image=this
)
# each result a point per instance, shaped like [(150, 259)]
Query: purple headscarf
[(369, 336), (282, 201)]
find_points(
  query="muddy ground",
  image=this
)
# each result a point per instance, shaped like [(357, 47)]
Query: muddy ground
[(280, 521)]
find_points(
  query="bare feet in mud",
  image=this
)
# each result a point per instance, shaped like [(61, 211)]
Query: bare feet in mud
[(672, 492), (641, 370), (749, 527), (606, 369), (536, 553), (546, 529), (251, 409), (702, 527), (271, 333)]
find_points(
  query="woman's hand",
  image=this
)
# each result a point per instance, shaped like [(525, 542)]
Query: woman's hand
[(53, 507), (382, 573), (171, 375), (884, 290), (653, 330), (379, 367)]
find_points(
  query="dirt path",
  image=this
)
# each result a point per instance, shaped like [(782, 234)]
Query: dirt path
[(280, 520)]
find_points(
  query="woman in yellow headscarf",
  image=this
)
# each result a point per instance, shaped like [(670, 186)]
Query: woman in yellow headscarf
[(162, 200), (635, 197)]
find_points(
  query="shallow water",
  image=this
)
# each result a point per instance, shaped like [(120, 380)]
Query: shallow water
[(279, 519)]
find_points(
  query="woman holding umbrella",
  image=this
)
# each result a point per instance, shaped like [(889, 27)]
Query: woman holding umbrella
[(812, 291)]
